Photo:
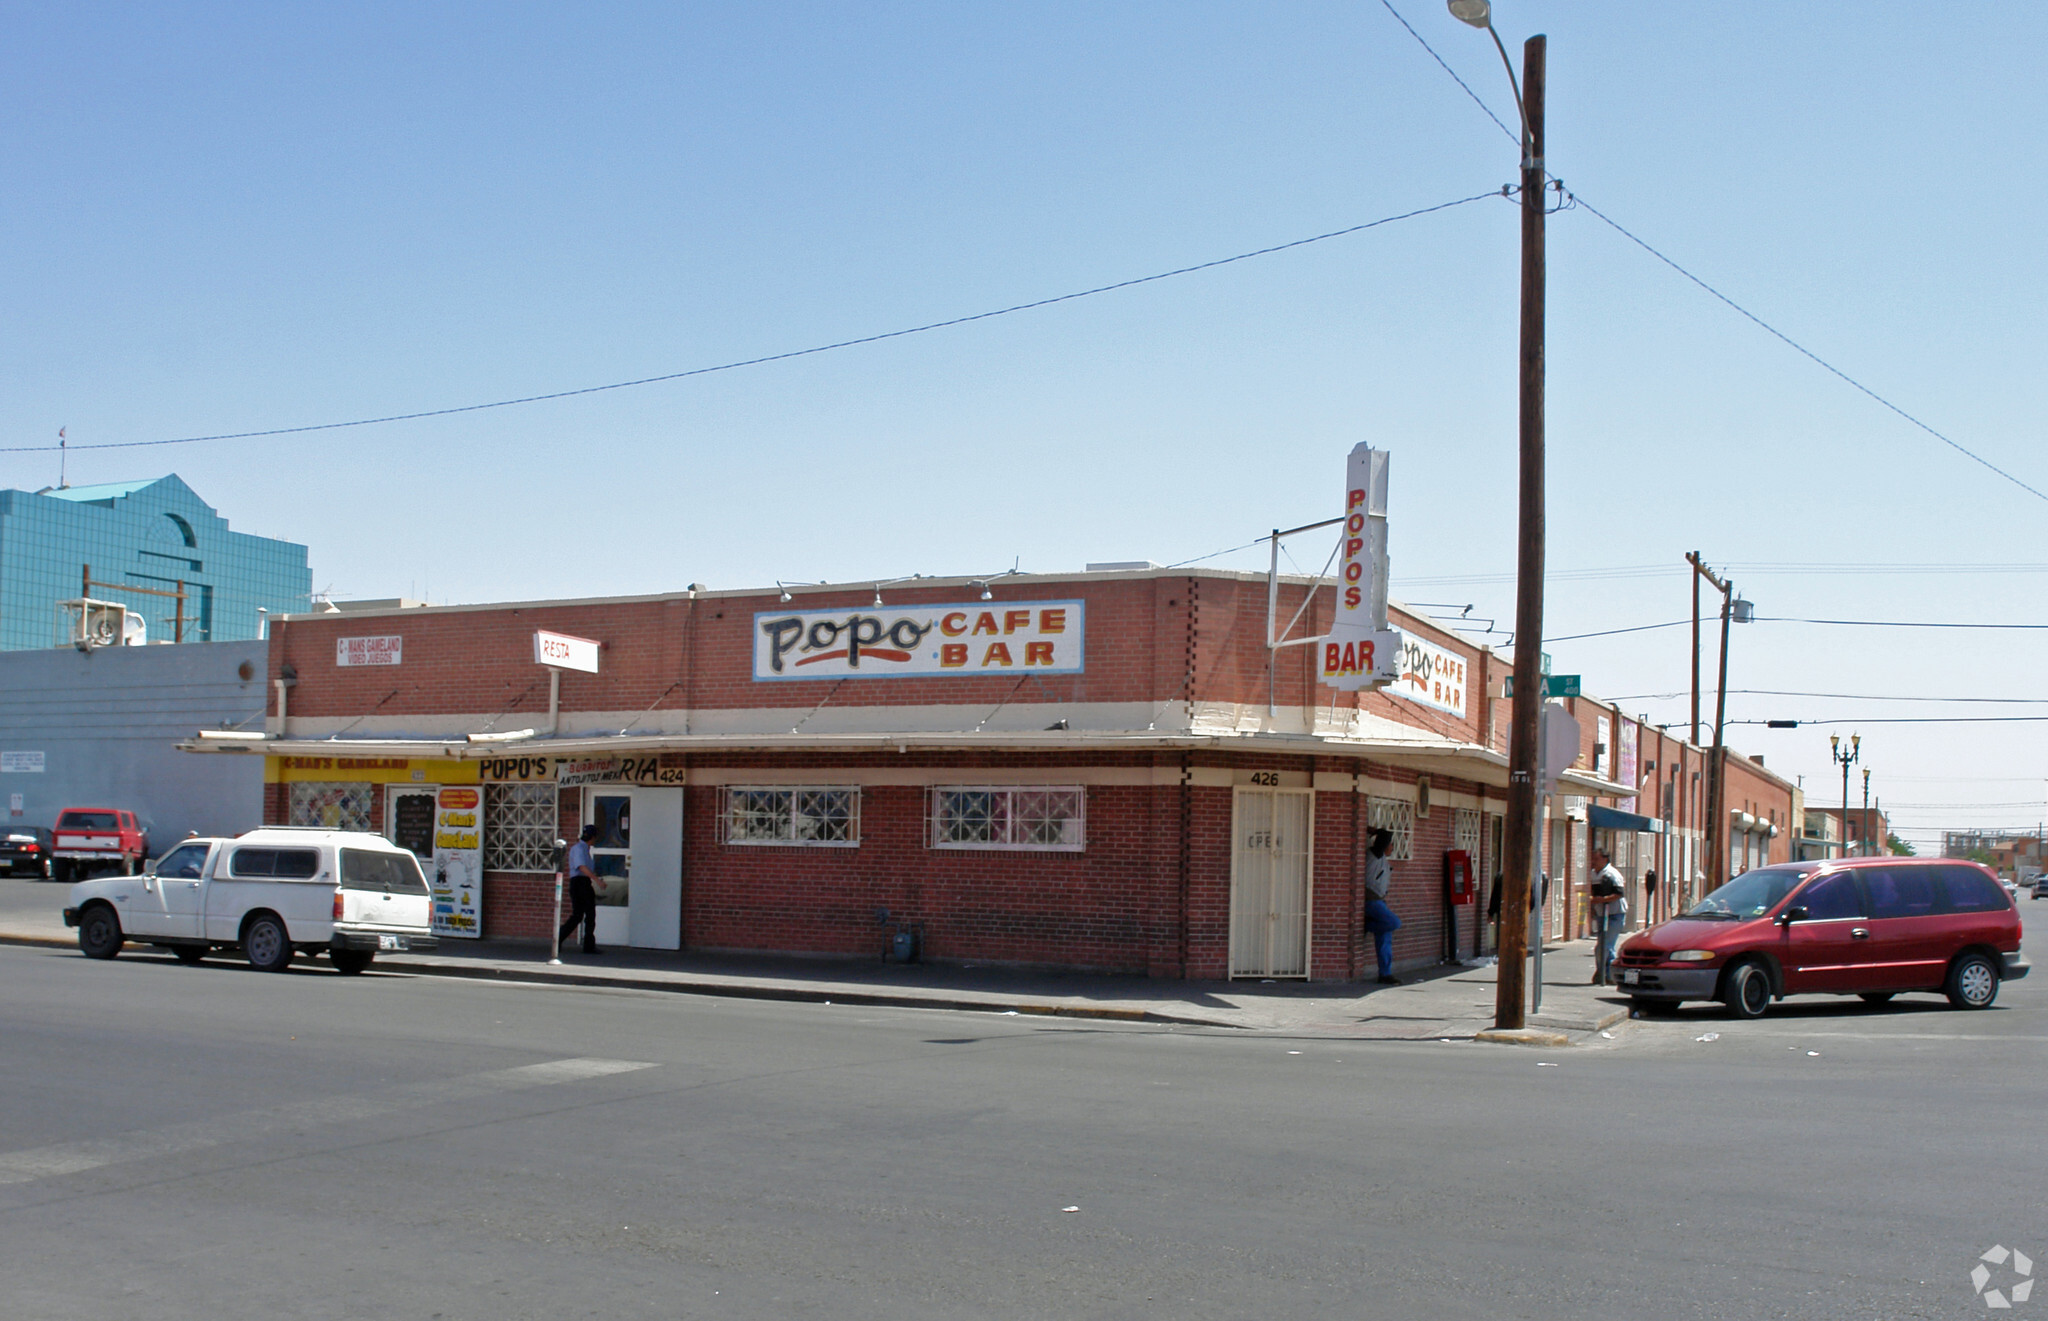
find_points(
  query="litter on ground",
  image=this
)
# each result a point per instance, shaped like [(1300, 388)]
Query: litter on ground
[(1711, 1036)]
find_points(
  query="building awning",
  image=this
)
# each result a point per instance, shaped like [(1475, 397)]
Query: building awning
[(1611, 818)]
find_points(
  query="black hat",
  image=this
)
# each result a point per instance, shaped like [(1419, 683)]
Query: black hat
[(1381, 836), (589, 832)]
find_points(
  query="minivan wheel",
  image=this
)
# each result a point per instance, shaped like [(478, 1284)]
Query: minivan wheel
[(99, 932), (1972, 982), (1747, 992), (267, 943)]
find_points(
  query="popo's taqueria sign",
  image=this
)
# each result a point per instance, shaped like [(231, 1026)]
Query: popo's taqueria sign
[(977, 637)]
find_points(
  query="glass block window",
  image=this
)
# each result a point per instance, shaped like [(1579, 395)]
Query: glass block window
[(1397, 815), (1046, 817), (331, 804), (519, 827), (819, 816), (1465, 832)]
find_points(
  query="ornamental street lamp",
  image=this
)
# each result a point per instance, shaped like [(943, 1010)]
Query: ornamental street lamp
[(1843, 759)]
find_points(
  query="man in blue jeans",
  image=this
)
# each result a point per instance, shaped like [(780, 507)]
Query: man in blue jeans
[(1380, 922)]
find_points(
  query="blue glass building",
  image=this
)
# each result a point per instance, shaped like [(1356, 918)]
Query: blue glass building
[(151, 535)]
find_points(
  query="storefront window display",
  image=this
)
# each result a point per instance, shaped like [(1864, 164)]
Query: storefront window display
[(331, 804)]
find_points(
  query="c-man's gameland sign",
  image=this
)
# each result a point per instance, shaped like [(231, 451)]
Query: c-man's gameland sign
[(926, 641)]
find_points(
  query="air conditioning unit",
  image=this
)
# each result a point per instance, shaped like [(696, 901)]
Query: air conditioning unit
[(86, 624)]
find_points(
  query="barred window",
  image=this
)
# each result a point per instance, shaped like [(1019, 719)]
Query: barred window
[(519, 827), (330, 804), (822, 816), (1397, 815), (1005, 817), (1465, 831)]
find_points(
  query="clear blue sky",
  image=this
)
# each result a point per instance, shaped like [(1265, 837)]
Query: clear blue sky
[(225, 218)]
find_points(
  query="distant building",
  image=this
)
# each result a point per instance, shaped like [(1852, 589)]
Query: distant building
[(140, 544)]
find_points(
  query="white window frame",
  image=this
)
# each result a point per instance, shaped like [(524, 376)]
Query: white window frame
[(1009, 795), (792, 796), (1465, 833), (539, 848), (1397, 815)]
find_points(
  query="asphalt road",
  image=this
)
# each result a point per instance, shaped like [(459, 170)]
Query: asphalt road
[(213, 1142)]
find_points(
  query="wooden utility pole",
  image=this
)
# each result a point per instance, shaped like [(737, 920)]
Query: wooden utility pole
[(1511, 991), (1694, 560)]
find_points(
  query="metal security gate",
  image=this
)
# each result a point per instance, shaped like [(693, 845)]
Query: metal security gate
[(1269, 882)]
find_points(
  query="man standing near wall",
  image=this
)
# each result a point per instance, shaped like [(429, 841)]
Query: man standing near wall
[(1380, 922), (1610, 915)]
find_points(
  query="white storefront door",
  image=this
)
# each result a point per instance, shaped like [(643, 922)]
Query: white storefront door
[(1270, 868), (639, 857)]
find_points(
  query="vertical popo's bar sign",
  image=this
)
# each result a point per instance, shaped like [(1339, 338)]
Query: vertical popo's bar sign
[(1360, 651)]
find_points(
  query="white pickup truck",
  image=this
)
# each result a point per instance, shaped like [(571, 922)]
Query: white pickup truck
[(271, 893)]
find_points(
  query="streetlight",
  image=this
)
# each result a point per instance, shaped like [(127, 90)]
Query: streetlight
[(1864, 851), (1843, 760), (1519, 866)]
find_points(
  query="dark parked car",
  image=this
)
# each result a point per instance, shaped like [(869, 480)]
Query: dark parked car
[(1871, 927), (25, 851)]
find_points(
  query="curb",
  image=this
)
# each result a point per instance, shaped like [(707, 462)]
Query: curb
[(1522, 1036), (47, 942), (792, 994)]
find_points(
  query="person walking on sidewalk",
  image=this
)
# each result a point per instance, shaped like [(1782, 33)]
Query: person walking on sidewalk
[(1610, 916), (1380, 922), (583, 882)]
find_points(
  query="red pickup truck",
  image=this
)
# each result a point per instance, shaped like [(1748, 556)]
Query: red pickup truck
[(90, 840)]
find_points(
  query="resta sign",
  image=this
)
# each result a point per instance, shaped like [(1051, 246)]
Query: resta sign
[(975, 637)]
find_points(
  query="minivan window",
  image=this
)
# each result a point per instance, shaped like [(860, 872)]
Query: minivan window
[(1971, 891), (284, 864), (88, 821), (393, 873), (1900, 891), (1831, 898), (1751, 894)]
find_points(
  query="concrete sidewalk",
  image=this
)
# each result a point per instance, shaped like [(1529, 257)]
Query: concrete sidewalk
[(1445, 1001)]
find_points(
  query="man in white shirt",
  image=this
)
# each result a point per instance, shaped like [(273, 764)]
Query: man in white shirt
[(1610, 915)]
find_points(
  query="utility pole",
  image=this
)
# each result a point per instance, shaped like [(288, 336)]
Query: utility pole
[(1716, 822), (1511, 991), (1694, 560)]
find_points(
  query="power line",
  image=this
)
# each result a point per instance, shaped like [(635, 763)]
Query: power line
[(1802, 349), (1853, 697), (1610, 632), (1736, 569), (1573, 199), (771, 357), (1886, 623), (1908, 720), (1512, 135)]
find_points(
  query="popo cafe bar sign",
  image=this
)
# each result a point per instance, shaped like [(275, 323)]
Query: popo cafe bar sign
[(1360, 651), (977, 637)]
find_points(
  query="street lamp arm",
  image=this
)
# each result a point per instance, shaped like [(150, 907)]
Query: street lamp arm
[(1528, 159)]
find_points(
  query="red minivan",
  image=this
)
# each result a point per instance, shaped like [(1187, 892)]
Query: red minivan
[(1871, 927)]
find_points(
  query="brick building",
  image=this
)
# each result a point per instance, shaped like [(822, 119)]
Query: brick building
[(1102, 770)]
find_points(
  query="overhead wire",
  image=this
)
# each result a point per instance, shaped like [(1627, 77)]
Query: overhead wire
[(1575, 200), (927, 327)]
